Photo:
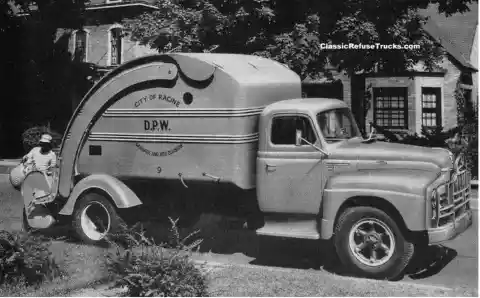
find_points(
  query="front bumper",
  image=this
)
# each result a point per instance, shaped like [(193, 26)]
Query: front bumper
[(451, 230)]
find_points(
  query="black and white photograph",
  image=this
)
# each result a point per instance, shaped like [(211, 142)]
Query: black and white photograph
[(239, 148)]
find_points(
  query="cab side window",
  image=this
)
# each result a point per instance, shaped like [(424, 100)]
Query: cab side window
[(284, 130)]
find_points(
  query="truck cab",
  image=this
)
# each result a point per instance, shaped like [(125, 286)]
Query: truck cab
[(297, 136), (318, 178)]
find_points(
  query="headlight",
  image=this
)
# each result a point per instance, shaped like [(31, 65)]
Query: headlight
[(433, 201), (442, 192), (442, 189)]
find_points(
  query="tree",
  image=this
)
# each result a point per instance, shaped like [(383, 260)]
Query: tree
[(36, 72), (293, 31)]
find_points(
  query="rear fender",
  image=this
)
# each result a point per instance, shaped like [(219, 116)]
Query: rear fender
[(121, 195)]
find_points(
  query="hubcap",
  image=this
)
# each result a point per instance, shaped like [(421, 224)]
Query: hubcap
[(371, 242), (95, 221)]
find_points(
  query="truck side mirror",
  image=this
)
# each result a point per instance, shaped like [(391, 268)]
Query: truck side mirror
[(298, 137), (371, 136), (299, 140)]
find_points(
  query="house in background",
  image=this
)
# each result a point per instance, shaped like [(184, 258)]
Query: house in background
[(333, 84), (407, 101), (401, 102), (102, 41)]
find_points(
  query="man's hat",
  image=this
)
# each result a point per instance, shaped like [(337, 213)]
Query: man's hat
[(46, 138)]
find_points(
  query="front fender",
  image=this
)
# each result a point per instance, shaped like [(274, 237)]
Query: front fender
[(122, 195), (405, 190)]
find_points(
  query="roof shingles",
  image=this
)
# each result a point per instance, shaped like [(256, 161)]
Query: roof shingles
[(455, 33)]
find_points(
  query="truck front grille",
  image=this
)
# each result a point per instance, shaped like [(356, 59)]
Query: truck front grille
[(457, 200)]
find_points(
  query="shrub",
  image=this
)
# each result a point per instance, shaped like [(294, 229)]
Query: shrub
[(31, 137), (462, 139), (435, 137), (469, 147), (148, 270), (17, 289), (25, 258)]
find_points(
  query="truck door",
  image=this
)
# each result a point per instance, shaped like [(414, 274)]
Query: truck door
[(290, 177)]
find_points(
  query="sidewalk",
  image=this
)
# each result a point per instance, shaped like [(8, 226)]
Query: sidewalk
[(7, 164)]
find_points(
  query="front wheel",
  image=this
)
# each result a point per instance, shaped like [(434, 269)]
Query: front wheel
[(370, 244), (94, 217)]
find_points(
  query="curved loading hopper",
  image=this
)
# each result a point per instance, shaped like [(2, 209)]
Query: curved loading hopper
[(193, 115)]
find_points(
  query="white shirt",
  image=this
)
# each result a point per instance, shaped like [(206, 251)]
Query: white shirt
[(42, 161)]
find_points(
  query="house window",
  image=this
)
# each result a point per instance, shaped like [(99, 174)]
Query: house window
[(284, 130), (466, 78), (116, 46), (467, 95), (391, 107), (80, 44), (431, 107)]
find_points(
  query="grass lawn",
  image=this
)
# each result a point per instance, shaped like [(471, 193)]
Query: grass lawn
[(84, 266), (257, 281)]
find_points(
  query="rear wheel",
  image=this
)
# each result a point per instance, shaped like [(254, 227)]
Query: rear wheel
[(94, 217), (370, 244)]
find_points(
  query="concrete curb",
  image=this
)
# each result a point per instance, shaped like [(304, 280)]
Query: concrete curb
[(9, 162)]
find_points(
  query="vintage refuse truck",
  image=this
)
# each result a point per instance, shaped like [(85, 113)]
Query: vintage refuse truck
[(238, 123)]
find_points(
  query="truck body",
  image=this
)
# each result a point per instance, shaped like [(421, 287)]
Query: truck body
[(240, 121), (209, 128)]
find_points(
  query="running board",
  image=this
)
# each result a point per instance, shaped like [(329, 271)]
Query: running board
[(290, 228)]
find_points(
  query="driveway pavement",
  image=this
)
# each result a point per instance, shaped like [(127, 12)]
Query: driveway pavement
[(453, 265)]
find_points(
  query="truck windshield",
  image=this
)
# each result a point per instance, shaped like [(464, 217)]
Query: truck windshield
[(337, 125)]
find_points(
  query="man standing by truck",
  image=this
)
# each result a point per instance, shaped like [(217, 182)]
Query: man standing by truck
[(42, 158)]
